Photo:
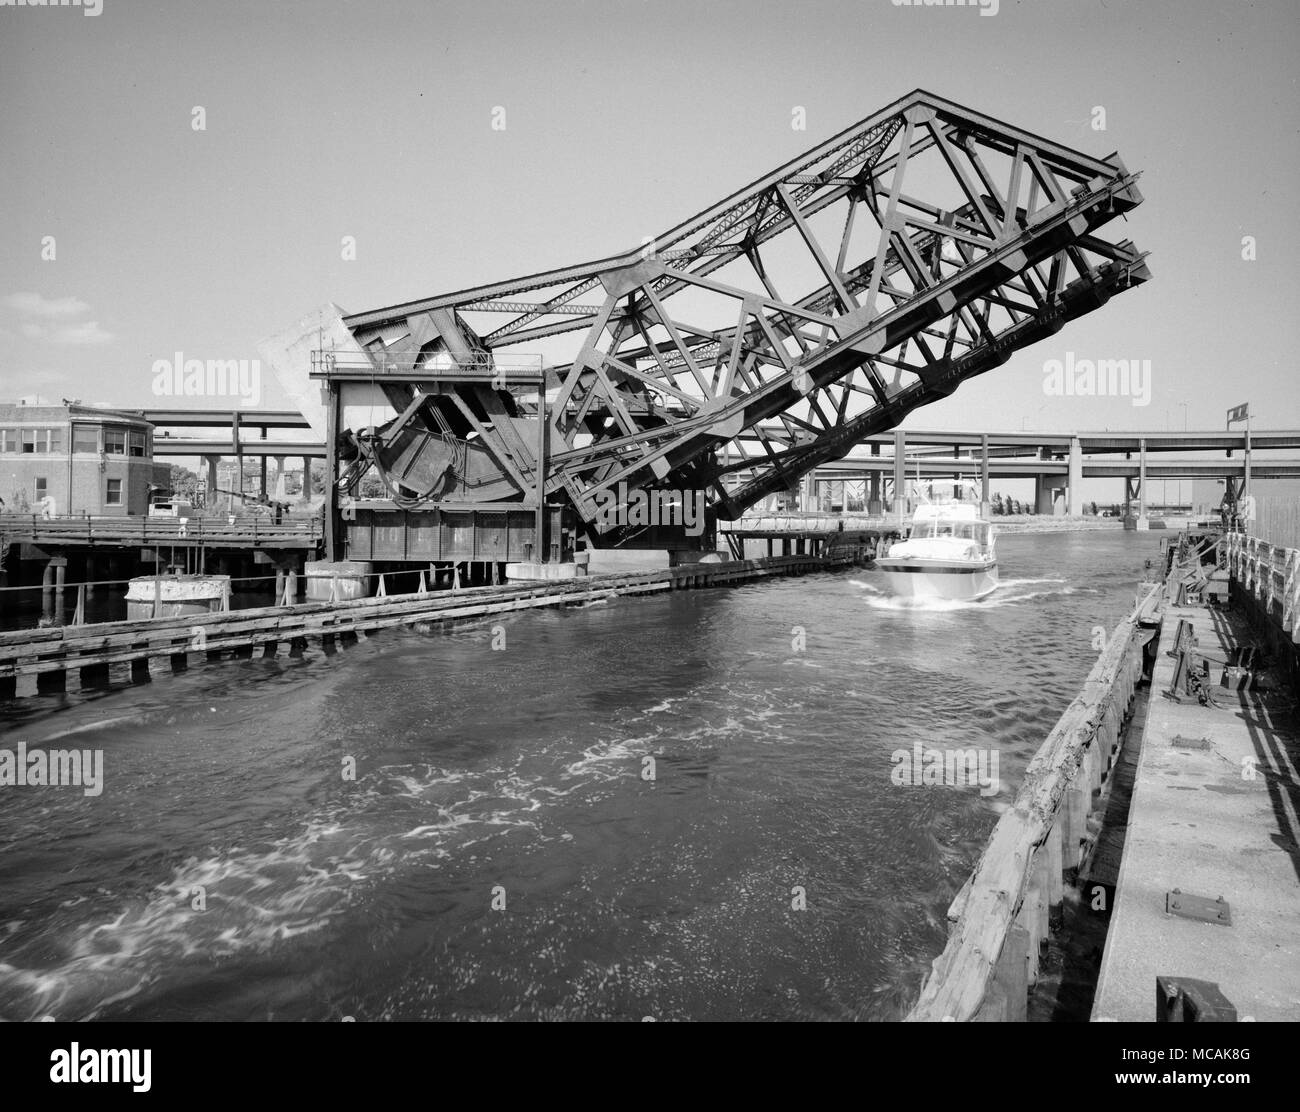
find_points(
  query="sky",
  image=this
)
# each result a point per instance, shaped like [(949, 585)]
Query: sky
[(374, 120)]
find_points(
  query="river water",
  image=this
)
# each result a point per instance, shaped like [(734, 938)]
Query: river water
[(501, 852)]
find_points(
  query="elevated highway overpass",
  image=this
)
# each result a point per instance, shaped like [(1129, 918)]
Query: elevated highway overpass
[(1059, 462)]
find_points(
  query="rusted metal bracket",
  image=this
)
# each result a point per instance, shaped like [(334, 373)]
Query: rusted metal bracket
[(1184, 638), (1187, 906), (1238, 679), (1191, 680), (1185, 1000)]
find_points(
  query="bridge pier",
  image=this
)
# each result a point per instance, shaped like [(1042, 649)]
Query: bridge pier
[(900, 474), (1043, 495), (874, 506), (53, 579), (212, 462), (1074, 482), (286, 576), (986, 506), (1142, 523)]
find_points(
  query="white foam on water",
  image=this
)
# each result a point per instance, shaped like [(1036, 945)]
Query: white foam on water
[(450, 822), (1006, 593), (596, 758), (254, 900), (93, 727), (899, 604), (259, 898)]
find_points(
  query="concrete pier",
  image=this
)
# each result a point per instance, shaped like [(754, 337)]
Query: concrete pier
[(1214, 813)]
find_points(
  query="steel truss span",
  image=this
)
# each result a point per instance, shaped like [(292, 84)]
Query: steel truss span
[(770, 333)]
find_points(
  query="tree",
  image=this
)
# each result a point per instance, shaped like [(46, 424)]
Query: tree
[(183, 481)]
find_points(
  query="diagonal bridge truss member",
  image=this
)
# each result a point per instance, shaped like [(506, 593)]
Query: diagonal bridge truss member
[(770, 333)]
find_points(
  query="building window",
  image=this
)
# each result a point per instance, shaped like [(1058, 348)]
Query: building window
[(8, 440), (40, 488), (85, 438), (137, 444), (40, 441), (113, 495), (114, 442)]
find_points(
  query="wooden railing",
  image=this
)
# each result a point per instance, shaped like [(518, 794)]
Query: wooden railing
[(194, 531), (1277, 520), (1270, 574), (999, 921)]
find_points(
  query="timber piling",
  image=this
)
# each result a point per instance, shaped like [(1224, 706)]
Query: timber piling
[(66, 657)]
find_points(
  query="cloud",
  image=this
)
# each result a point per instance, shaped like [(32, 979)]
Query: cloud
[(50, 319), (86, 333), (51, 308)]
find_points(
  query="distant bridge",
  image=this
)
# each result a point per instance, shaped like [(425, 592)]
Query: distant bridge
[(1055, 460), (1060, 461), (235, 445)]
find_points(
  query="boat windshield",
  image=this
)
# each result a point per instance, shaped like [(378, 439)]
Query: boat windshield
[(977, 531)]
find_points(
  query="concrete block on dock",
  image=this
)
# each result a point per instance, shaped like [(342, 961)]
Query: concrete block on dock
[(177, 596), (679, 558), (528, 570), (347, 579), (625, 561)]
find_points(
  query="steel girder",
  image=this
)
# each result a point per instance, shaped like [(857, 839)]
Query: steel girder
[(821, 304)]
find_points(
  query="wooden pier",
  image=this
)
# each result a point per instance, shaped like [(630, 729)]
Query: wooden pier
[(1203, 803), (64, 658), (152, 532), (1215, 798), (816, 533), (1001, 919)]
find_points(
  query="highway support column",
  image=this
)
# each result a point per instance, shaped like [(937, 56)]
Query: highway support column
[(1074, 482)]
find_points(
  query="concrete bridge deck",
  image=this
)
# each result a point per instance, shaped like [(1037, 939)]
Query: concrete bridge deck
[(1198, 823)]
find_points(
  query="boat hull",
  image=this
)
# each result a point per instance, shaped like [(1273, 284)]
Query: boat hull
[(915, 577)]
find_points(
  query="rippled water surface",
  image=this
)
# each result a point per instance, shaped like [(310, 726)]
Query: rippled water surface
[(519, 776)]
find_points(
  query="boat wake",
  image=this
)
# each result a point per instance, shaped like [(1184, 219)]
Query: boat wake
[(1009, 592), (398, 819)]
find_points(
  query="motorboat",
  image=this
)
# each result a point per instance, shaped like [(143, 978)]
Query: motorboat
[(949, 553)]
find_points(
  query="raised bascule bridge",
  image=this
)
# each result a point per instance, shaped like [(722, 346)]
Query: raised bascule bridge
[(731, 355)]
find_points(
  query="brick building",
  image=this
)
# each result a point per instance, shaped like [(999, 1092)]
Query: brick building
[(86, 458)]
